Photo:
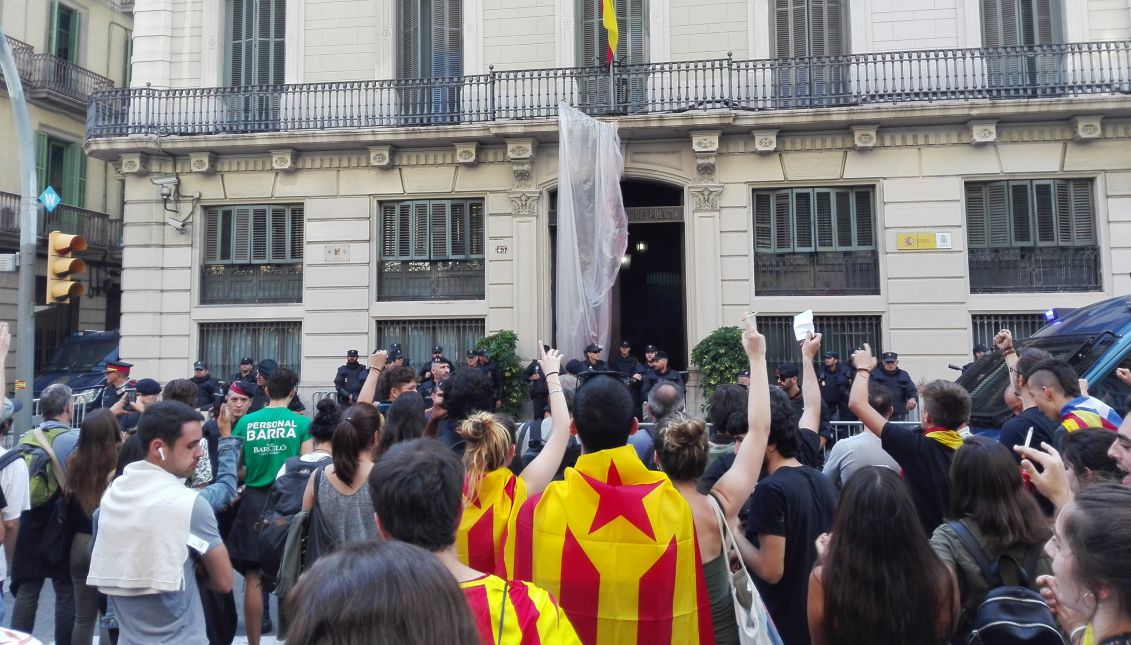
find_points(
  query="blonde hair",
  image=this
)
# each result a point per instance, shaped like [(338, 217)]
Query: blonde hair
[(682, 449), (489, 439)]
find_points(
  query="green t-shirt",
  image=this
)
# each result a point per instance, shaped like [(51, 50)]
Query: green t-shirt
[(271, 436)]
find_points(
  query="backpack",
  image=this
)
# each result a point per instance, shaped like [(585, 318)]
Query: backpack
[(43, 482), (1010, 613), (284, 501)]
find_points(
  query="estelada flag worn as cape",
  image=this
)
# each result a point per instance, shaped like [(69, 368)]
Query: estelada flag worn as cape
[(486, 514), (615, 544), (516, 612)]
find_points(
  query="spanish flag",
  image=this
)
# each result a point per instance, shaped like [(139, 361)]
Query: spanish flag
[(615, 544), (516, 612), (609, 20), (483, 527)]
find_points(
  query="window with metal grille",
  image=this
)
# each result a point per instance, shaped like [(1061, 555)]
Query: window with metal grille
[(1032, 235), (252, 254), (432, 250), (257, 51), (222, 345), (431, 47), (418, 337), (842, 334), (815, 241), (986, 326), (807, 29)]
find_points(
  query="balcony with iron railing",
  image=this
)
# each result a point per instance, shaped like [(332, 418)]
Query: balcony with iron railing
[(240, 284), (825, 273), (54, 81), (1035, 269), (101, 232), (982, 74)]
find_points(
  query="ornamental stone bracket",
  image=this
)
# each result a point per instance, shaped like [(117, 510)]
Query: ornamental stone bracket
[(381, 156), (134, 163), (521, 155), (982, 132), (1086, 128), (283, 160), (864, 136), (467, 154), (524, 203), (705, 197), (765, 141), (705, 145), (202, 162)]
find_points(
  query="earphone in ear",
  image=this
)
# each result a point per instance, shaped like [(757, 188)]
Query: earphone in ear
[(161, 451)]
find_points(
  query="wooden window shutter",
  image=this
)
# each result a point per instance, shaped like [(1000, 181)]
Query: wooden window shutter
[(803, 220), (476, 230), (865, 219), (447, 38), (260, 233), (212, 235), (74, 176), (458, 231), (279, 226), (763, 221), (783, 221), (826, 219), (419, 248), (1020, 214), (239, 56), (997, 220), (404, 231), (592, 36), (410, 63), (439, 224), (976, 214), (389, 232), (1083, 212), (845, 230), (634, 49), (1044, 213), (242, 235), (790, 28), (298, 228)]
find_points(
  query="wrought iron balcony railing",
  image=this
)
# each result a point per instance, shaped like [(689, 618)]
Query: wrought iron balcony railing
[(1039, 268), (240, 284), (100, 231), (835, 273), (438, 280), (54, 80), (796, 83)]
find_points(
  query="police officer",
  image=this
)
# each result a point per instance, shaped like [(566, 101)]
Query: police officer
[(625, 362), (263, 371), (593, 362), (208, 392), (246, 373), (980, 350), (659, 373), (835, 380), (437, 355), (349, 379), (440, 370), (491, 369), (396, 356), (904, 395), (117, 382), (539, 390)]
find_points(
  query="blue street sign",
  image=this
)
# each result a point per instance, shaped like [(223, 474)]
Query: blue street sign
[(50, 199)]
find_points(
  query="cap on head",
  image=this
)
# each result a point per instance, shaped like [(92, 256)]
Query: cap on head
[(625, 343), (395, 355), (889, 357), (395, 347), (200, 365), (835, 355), (651, 348), (787, 370), (243, 388), (11, 406), (352, 353), (437, 350), (267, 367), (148, 386), (483, 352), (662, 355), (743, 374), (247, 360), (981, 349), (472, 352), (593, 348), (119, 367)]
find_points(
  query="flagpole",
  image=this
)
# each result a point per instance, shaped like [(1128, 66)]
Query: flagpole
[(612, 86)]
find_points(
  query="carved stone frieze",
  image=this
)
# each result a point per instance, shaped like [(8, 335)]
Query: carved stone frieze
[(467, 153), (202, 162), (1085, 128), (982, 132), (283, 160), (705, 197), (524, 203), (381, 156), (864, 137), (134, 163), (521, 155), (765, 141)]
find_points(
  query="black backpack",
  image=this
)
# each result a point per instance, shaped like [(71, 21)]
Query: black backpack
[(284, 501), (1010, 614)]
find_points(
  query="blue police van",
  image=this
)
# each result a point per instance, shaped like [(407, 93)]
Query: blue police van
[(1095, 340), (80, 362)]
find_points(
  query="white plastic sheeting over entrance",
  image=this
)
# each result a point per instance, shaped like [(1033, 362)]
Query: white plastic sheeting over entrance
[(592, 229)]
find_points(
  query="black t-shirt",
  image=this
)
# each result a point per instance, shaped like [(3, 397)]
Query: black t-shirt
[(798, 504), (715, 471), (926, 469), (809, 452), (1013, 431)]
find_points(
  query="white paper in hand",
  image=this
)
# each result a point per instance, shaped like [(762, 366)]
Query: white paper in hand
[(803, 324)]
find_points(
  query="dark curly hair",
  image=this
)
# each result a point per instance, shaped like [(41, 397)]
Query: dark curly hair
[(783, 424), (466, 391), (726, 400)]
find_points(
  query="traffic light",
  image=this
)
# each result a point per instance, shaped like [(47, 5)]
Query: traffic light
[(63, 267)]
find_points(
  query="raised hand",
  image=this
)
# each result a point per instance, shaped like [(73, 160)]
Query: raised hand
[(863, 358), (550, 361), (752, 341), (1004, 340), (811, 346), (377, 359), (1052, 480)]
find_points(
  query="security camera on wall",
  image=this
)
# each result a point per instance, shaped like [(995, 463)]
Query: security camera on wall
[(164, 180)]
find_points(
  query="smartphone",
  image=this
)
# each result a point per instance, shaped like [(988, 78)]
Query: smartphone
[(131, 396)]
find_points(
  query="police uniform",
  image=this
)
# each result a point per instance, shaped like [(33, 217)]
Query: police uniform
[(835, 386), (539, 390), (900, 385), (349, 379), (110, 395), (491, 369), (249, 379), (425, 372), (600, 365)]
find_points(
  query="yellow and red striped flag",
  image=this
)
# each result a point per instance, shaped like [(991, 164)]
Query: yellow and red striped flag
[(609, 20), (516, 612), (615, 544), (483, 527)]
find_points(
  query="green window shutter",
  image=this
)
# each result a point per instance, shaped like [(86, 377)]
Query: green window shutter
[(239, 67), (388, 231), (976, 212), (74, 37), (790, 29), (404, 231), (419, 240), (1083, 212), (763, 221), (439, 228), (1020, 214), (783, 222), (242, 235), (41, 149), (476, 229), (298, 233), (274, 36), (1045, 214), (262, 221), (865, 219), (212, 235), (826, 220), (826, 27), (803, 220), (845, 228), (997, 224), (74, 176)]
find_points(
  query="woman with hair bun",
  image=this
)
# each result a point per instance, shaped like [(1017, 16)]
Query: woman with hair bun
[(681, 451), (340, 487), (491, 491)]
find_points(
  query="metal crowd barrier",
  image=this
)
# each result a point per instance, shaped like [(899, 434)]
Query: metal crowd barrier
[(846, 429)]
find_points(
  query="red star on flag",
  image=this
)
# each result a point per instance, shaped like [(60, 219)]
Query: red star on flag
[(616, 500)]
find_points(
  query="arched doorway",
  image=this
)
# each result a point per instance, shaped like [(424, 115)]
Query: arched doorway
[(648, 298)]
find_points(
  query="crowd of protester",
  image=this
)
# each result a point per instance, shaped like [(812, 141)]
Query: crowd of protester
[(409, 510)]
